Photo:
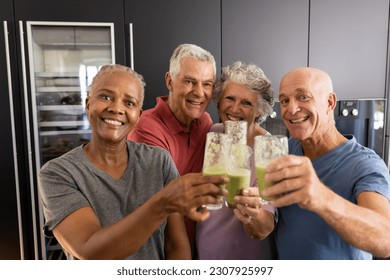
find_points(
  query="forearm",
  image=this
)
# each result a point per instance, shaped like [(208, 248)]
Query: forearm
[(360, 226), (124, 237), (177, 246), (81, 234), (178, 252)]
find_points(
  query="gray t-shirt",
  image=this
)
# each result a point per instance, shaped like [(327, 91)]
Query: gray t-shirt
[(71, 182)]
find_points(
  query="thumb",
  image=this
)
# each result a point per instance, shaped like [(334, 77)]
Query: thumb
[(200, 214)]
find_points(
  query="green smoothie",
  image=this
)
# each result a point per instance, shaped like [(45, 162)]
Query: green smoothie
[(262, 184), (219, 171), (215, 170), (239, 179)]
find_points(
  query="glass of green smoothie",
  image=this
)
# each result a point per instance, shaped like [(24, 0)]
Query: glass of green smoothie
[(239, 172), (216, 159), (267, 148)]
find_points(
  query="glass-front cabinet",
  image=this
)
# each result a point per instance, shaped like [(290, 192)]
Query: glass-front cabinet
[(63, 59)]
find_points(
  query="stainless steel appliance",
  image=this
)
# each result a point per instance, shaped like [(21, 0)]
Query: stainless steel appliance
[(363, 118), (63, 58)]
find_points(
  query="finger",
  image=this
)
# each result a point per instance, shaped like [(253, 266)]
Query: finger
[(208, 189), (285, 200), (252, 191), (199, 179), (283, 187), (199, 215), (249, 210), (285, 162), (193, 186), (292, 172), (241, 216), (248, 201), (310, 196), (200, 201)]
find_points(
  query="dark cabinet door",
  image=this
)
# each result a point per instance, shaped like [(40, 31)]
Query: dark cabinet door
[(10, 236), (271, 34), (348, 39), (158, 27)]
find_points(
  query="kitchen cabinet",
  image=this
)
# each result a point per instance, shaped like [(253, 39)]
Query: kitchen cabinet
[(15, 232), (270, 34), (157, 27), (348, 39)]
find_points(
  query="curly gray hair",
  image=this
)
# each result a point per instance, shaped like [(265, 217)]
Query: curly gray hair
[(254, 79)]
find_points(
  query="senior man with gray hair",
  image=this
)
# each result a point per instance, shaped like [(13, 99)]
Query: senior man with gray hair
[(179, 122)]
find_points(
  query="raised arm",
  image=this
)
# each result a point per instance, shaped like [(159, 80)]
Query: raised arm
[(365, 225), (81, 234)]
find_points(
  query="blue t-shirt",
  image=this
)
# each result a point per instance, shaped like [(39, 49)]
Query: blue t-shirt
[(347, 170)]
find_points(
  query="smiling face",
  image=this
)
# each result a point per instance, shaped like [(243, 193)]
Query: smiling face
[(307, 101), (191, 89), (114, 106), (238, 103)]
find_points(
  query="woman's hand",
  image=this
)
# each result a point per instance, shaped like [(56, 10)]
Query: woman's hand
[(258, 223), (189, 193)]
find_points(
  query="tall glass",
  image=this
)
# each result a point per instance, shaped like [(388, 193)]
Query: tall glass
[(216, 159), (267, 148), (238, 130), (239, 172)]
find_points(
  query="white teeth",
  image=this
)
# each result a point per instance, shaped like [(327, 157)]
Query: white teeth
[(233, 118), (114, 122), (299, 120), (195, 103)]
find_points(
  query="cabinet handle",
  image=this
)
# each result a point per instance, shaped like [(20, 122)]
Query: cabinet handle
[(29, 149), (131, 46), (13, 134)]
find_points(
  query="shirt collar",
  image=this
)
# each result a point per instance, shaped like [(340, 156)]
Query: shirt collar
[(169, 118)]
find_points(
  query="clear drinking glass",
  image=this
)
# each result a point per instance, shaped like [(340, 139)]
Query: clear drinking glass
[(238, 130), (267, 148), (239, 172), (216, 159)]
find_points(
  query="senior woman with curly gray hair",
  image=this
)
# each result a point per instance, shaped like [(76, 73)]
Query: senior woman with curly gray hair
[(242, 93)]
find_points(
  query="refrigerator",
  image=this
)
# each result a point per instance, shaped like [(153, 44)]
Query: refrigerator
[(63, 58), (58, 62)]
